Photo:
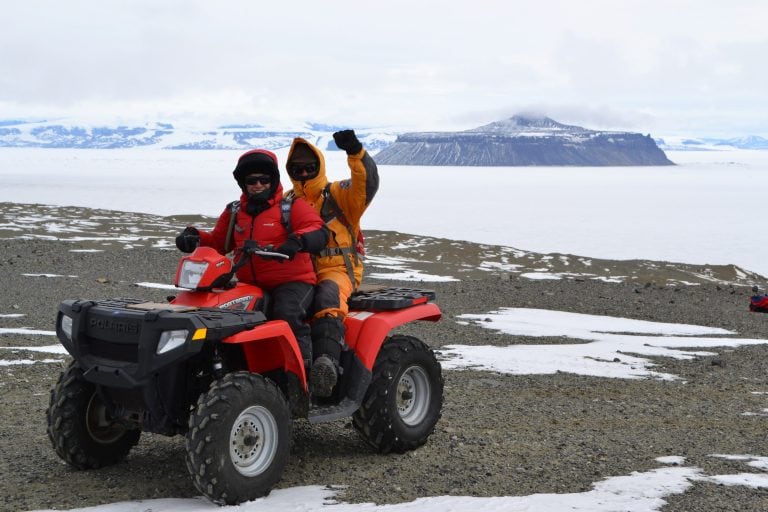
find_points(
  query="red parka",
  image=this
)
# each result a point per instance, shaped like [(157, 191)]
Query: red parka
[(266, 228)]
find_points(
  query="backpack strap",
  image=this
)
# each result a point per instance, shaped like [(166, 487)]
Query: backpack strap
[(285, 212), (233, 208), (329, 211)]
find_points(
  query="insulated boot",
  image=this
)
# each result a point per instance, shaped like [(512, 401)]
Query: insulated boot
[(324, 376), (327, 342), (305, 345)]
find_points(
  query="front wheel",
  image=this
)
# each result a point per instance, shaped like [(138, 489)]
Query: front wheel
[(405, 397), (80, 427), (239, 439)]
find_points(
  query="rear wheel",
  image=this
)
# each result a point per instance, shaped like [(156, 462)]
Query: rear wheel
[(239, 439), (79, 425), (405, 397)]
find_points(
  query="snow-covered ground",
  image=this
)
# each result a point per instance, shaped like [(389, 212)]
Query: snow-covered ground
[(701, 211), (637, 492), (603, 354), (704, 210)]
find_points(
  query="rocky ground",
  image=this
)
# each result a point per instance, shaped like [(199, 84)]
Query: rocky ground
[(499, 434)]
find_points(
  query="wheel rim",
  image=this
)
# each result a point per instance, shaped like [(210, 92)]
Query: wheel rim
[(413, 395), (100, 427), (253, 441)]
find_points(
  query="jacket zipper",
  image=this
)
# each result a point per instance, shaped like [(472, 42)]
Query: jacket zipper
[(250, 261)]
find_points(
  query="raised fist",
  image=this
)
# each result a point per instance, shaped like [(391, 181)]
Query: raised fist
[(347, 140)]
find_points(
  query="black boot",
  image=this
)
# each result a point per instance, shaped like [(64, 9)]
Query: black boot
[(327, 341), (305, 345), (324, 376)]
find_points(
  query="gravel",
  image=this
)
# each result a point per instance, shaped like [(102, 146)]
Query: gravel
[(499, 434)]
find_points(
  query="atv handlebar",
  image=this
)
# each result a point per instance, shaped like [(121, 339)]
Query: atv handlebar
[(250, 247)]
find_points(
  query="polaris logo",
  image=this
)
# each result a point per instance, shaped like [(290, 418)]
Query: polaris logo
[(115, 326)]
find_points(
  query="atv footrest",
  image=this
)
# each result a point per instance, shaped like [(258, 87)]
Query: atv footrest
[(384, 298), (320, 414)]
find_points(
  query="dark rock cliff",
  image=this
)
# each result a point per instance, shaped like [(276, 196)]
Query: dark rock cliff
[(521, 141)]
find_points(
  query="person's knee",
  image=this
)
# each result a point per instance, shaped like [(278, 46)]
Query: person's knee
[(326, 296), (291, 301)]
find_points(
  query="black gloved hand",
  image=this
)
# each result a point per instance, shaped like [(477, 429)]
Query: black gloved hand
[(290, 247), (188, 240), (347, 140)]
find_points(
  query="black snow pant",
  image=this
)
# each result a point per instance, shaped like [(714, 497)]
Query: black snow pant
[(291, 302)]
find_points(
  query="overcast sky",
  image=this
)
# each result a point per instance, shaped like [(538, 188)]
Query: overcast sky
[(664, 67)]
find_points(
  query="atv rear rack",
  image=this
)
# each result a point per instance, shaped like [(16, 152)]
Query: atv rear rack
[(387, 298)]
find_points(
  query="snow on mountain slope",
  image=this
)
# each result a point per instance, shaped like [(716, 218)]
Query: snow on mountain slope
[(159, 135)]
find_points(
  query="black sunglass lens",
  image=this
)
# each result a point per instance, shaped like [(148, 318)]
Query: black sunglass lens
[(303, 168)]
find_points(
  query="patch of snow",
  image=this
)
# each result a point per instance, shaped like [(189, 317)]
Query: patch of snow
[(24, 362), (637, 492), (540, 276), (48, 349), (754, 461), (26, 330), (412, 275), (671, 459), (45, 275), (607, 354)]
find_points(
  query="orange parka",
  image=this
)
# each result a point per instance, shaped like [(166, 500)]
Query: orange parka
[(352, 196)]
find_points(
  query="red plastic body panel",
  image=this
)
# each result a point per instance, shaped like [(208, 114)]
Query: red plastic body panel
[(236, 297), (218, 265), (269, 346), (367, 330), (272, 345), (266, 347)]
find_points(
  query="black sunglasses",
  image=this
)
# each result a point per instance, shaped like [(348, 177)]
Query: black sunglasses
[(260, 178), (303, 168)]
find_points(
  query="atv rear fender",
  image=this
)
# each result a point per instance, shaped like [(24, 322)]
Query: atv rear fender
[(270, 346), (367, 330)]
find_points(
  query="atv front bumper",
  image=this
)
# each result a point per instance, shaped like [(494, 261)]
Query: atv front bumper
[(126, 343)]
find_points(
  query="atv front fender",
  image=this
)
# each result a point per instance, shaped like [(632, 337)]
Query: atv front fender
[(271, 346), (366, 330)]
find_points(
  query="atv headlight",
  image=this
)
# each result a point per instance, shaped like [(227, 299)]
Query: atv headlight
[(170, 340), (191, 273), (66, 326)]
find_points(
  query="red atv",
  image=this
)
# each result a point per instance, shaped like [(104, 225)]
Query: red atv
[(210, 366)]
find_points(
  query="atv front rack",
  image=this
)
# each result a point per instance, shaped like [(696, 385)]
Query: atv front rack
[(115, 341)]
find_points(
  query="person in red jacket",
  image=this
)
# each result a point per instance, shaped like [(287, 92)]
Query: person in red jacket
[(258, 217)]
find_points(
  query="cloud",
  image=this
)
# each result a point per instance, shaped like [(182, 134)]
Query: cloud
[(411, 63)]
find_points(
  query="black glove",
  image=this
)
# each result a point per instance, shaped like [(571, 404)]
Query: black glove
[(290, 247), (347, 140), (188, 240), (315, 241)]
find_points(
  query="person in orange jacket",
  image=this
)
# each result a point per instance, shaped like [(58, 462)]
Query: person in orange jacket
[(339, 266)]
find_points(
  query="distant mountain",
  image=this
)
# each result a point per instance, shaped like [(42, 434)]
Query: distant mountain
[(524, 140), (53, 134), (712, 144), (521, 140)]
